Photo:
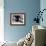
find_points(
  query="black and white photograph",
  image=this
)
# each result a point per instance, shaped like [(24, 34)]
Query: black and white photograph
[(17, 18)]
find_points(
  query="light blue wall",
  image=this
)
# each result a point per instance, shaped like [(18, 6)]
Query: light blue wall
[(30, 7), (43, 6)]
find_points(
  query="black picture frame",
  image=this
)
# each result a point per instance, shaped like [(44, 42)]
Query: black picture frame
[(17, 19)]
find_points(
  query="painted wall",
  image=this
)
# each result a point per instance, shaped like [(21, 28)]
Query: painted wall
[(1, 21), (43, 6), (30, 7)]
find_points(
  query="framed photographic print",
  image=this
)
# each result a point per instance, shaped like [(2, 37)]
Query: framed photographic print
[(17, 19)]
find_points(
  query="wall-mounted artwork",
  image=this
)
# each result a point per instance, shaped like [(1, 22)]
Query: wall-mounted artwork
[(17, 19)]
